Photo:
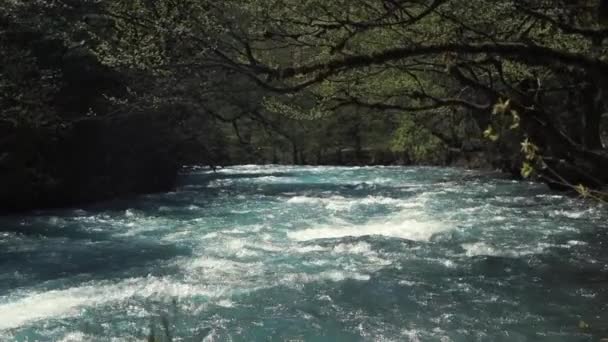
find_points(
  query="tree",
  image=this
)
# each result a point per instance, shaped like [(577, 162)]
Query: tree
[(539, 66), (531, 70)]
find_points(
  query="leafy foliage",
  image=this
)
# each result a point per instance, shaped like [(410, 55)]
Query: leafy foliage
[(331, 82), (418, 143)]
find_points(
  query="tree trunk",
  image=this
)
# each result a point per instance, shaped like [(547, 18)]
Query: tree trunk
[(294, 152), (592, 117)]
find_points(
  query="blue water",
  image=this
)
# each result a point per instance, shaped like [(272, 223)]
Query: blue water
[(269, 253)]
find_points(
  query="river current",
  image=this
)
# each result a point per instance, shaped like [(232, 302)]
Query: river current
[(276, 253)]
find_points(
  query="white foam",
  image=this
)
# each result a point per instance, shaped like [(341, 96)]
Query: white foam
[(412, 335), (409, 283), (373, 260), (209, 236), (130, 213), (274, 179), (571, 214), (577, 243), (304, 200), (226, 303), (220, 267), (340, 203), (483, 249), (245, 169), (240, 212), (478, 248), (56, 221), (217, 183), (81, 337), (330, 275), (68, 302), (308, 249), (178, 236), (399, 228), (354, 248)]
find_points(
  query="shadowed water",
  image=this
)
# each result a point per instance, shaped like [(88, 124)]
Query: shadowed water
[(269, 253)]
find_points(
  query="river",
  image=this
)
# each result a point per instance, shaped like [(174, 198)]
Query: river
[(277, 253)]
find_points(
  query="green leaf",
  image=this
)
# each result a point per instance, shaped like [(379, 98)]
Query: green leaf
[(516, 120), (501, 107), (583, 190), (529, 150), (490, 134), (527, 170)]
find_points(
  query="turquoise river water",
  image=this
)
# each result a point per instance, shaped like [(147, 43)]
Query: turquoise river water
[(274, 253)]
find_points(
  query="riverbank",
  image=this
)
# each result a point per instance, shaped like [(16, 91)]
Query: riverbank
[(109, 171), (91, 160)]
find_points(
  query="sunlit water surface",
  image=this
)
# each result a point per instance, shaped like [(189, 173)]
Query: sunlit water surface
[(269, 253)]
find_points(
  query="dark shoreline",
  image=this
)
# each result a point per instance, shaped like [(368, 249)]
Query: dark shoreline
[(92, 202)]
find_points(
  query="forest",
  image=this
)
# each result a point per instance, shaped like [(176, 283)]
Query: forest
[(96, 92), (303, 170)]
